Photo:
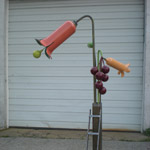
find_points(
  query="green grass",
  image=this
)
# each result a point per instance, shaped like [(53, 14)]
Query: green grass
[(145, 140), (5, 136), (126, 140), (147, 132)]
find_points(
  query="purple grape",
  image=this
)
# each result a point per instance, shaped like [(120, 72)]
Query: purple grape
[(105, 69), (94, 70), (103, 90), (105, 78), (99, 85), (99, 75)]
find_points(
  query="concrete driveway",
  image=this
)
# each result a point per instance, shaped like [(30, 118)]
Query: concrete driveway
[(22, 143), (36, 139)]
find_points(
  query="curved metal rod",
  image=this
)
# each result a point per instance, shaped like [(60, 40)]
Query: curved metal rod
[(94, 57)]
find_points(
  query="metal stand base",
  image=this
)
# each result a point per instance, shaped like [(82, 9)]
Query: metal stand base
[(97, 108)]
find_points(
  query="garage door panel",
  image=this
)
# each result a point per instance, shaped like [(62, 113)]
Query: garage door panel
[(60, 56), (91, 9), (81, 125), (99, 25), (73, 94), (14, 102), (82, 33), (67, 63), (29, 4), (50, 102), (64, 49), (66, 79), (70, 86), (112, 39), (73, 108), (48, 124), (65, 71), (122, 15), (67, 117)]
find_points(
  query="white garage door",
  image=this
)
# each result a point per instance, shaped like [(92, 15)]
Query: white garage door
[(58, 93)]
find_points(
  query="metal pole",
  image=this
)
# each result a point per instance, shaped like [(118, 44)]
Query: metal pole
[(96, 107), (94, 57)]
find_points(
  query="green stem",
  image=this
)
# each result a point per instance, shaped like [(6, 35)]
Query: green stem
[(99, 67), (98, 60), (42, 49), (98, 95), (101, 52)]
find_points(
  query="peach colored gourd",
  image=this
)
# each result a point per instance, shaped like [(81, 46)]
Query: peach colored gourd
[(118, 65)]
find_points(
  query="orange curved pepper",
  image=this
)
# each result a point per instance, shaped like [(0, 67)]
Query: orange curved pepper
[(57, 37), (117, 65)]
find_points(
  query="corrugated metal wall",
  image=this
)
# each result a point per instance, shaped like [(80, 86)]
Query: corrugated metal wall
[(58, 93)]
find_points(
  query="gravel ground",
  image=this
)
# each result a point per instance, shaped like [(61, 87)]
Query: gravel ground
[(35, 139), (23, 143), (72, 134)]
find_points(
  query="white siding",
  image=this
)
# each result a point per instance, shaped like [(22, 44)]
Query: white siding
[(3, 63), (58, 93)]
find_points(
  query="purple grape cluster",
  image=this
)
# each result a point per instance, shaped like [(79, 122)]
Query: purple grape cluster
[(101, 76)]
